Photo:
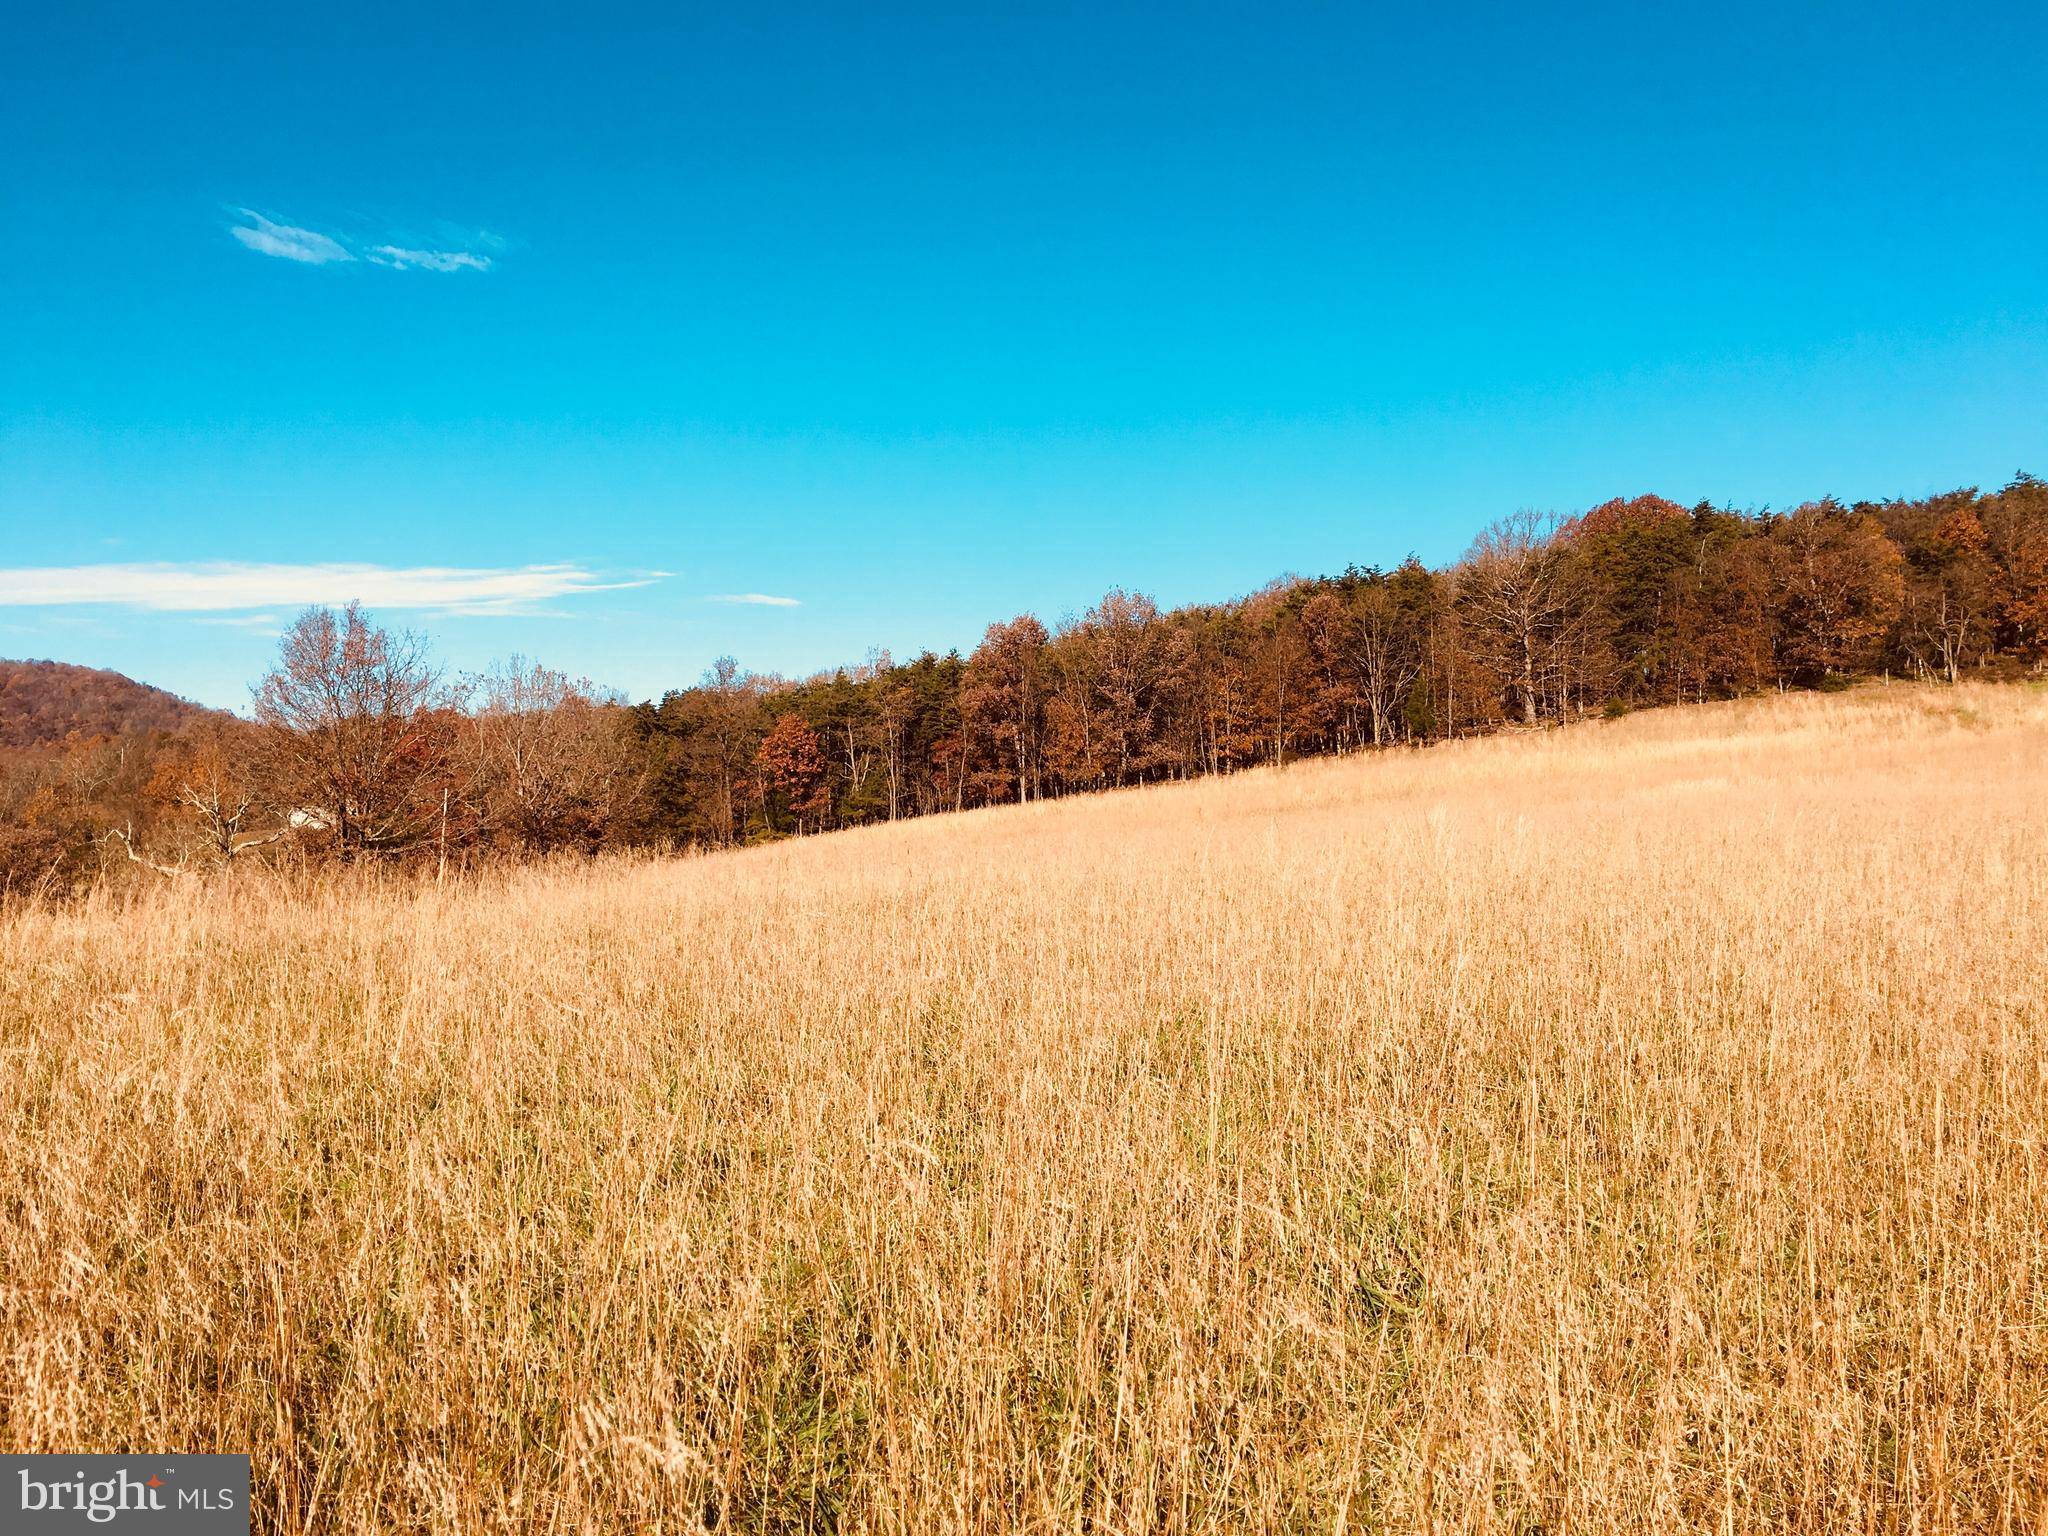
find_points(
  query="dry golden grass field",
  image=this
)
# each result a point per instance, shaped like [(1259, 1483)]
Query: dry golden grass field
[(1638, 1126)]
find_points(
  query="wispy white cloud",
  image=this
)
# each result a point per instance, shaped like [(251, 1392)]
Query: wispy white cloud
[(758, 599), (288, 241), (314, 248), (229, 586), (399, 258)]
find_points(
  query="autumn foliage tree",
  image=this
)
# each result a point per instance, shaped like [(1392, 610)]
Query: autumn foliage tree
[(1002, 701), (2015, 525), (790, 769), (1838, 587), (1948, 614)]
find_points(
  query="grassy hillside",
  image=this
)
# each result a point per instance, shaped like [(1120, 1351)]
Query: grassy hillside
[(1635, 1126)]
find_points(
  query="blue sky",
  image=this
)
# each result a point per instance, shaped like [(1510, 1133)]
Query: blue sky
[(557, 326)]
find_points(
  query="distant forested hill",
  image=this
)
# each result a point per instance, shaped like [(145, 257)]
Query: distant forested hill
[(45, 702)]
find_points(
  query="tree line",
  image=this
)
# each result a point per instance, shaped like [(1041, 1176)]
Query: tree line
[(358, 748)]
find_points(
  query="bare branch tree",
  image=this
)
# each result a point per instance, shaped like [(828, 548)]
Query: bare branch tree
[(1513, 589), (358, 730)]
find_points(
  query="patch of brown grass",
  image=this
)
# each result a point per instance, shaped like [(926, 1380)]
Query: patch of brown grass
[(1631, 1127)]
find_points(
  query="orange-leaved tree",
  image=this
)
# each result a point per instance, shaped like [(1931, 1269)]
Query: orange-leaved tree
[(790, 774)]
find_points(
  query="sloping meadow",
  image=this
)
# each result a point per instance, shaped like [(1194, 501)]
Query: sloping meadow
[(1631, 1126)]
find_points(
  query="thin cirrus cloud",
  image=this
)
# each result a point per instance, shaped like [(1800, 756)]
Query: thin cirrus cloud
[(228, 586), (755, 599), (399, 258), (310, 247), (288, 241)]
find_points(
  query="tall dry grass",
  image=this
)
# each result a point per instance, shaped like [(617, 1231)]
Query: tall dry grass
[(1632, 1127)]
